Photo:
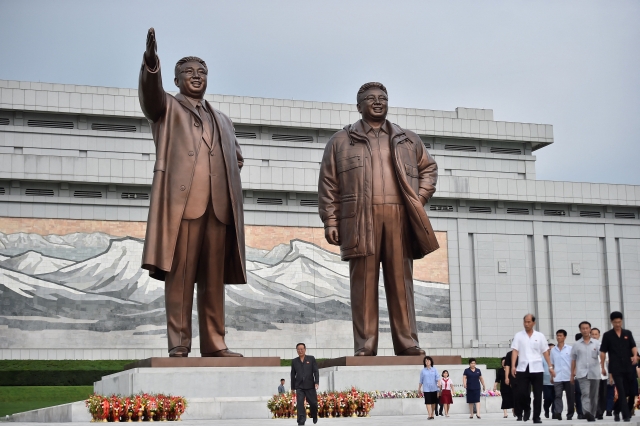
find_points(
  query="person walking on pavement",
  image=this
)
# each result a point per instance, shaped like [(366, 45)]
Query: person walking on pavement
[(505, 390), (604, 381), (446, 392), (561, 362), (585, 368), (511, 380), (623, 355), (429, 385), (530, 346), (548, 391), (471, 379), (305, 379)]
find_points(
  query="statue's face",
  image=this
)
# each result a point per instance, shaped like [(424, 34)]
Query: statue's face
[(192, 79), (374, 104)]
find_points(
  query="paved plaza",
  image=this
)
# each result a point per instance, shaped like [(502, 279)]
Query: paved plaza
[(454, 420)]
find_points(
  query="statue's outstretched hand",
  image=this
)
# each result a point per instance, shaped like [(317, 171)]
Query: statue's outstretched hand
[(152, 47), (332, 236)]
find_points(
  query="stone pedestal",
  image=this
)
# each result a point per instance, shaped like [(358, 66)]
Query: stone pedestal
[(359, 361), (196, 382), (165, 362)]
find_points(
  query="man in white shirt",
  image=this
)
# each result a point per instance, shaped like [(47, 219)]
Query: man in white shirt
[(561, 361), (530, 346)]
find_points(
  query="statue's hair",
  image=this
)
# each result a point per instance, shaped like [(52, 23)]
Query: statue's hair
[(368, 86), (188, 59)]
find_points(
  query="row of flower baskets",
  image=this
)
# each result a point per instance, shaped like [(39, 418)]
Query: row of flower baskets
[(141, 407), (348, 403), (415, 394)]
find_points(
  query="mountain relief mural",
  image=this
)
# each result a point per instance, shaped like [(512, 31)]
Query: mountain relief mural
[(92, 284)]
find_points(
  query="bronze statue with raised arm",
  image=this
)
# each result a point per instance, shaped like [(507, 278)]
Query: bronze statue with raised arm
[(375, 179), (195, 229)]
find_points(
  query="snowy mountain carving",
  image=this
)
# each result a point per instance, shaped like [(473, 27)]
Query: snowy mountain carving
[(296, 283)]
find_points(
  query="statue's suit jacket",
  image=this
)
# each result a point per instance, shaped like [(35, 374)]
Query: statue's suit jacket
[(177, 131)]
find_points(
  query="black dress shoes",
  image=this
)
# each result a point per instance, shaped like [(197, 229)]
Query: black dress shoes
[(527, 415), (415, 351), (179, 352), (537, 421), (223, 353)]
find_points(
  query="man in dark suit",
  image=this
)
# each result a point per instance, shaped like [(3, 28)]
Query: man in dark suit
[(305, 378)]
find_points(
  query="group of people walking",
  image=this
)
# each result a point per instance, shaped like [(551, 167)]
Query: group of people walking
[(439, 390), (593, 367)]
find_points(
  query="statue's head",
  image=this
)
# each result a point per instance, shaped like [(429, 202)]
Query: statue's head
[(191, 76), (373, 101)]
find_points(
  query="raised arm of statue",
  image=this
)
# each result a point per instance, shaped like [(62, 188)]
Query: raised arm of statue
[(153, 98)]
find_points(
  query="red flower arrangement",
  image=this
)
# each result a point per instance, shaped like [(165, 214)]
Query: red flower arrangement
[(141, 407), (350, 403)]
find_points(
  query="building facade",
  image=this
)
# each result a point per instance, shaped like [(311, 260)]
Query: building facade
[(76, 164)]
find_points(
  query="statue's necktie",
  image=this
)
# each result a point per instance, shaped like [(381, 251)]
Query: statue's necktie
[(206, 125)]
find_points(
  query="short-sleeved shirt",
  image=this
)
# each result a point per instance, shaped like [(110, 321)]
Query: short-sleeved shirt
[(561, 361), (587, 358), (473, 378), (530, 350), (429, 379), (619, 350)]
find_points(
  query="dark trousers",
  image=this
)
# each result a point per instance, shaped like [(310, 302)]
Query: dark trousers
[(602, 398), (517, 410), (568, 389), (392, 249), (624, 386), (549, 395), (578, 398), (312, 399), (526, 381), (611, 393), (198, 257)]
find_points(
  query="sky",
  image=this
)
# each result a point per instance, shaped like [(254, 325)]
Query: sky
[(572, 64)]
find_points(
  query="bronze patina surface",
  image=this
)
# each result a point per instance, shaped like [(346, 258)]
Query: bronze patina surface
[(375, 179), (195, 228)]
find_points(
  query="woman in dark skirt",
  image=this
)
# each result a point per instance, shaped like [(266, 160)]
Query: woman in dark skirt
[(505, 390), (472, 377), (429, 385)]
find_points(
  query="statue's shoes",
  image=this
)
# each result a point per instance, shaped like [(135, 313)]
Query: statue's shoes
[(179, 352), (222, 353), (364, 352), (414, 351)]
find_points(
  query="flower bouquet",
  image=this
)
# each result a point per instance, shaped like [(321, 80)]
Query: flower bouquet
[(115, 408), (98, 406)]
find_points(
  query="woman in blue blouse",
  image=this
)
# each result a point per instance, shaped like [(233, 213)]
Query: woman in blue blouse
[(429, 385), (472, 377)]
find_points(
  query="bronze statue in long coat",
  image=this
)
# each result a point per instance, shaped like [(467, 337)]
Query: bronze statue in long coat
[(195, 229)]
